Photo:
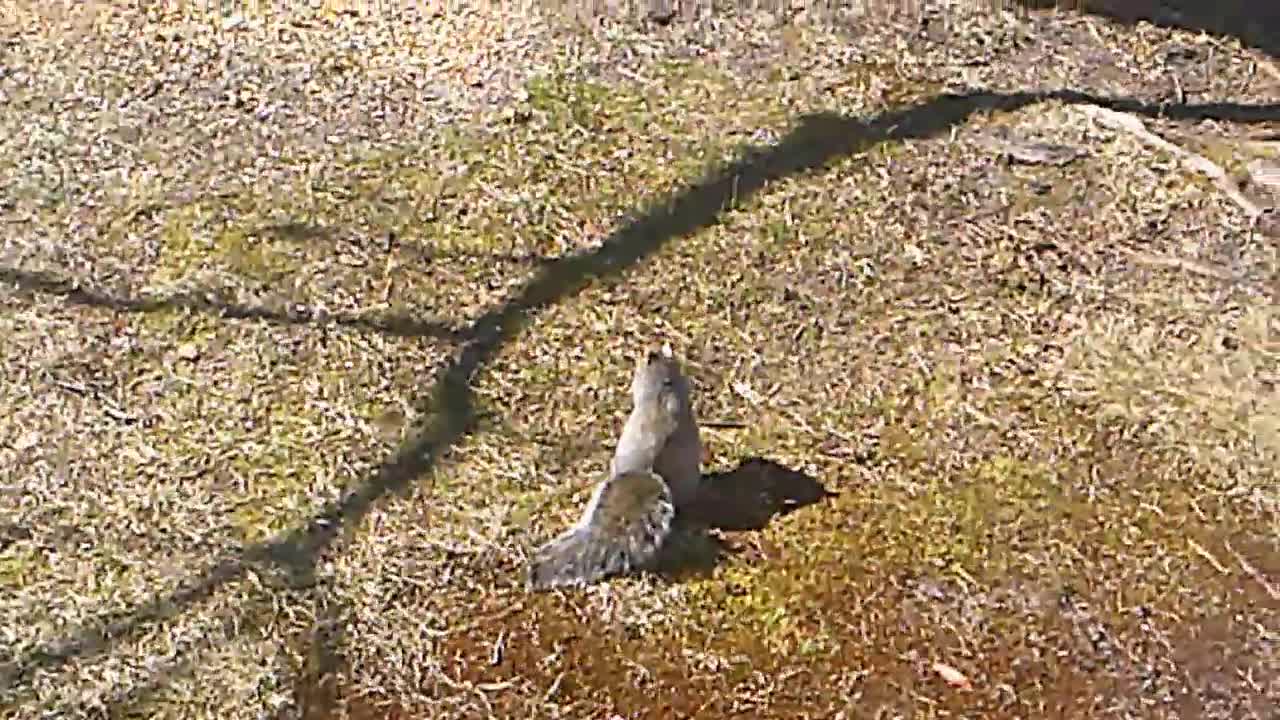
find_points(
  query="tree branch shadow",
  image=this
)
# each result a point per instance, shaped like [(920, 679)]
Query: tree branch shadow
[(817, 140), (300, 232), (388, 324), (1253, 23)]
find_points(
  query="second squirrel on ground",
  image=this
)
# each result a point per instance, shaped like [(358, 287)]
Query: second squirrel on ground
[(655, 471)]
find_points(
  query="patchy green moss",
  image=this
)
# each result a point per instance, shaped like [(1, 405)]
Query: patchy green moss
[(262, 259), (181, 251), (21, 564)]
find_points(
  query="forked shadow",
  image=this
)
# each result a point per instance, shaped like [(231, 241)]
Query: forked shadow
[(745, 498)]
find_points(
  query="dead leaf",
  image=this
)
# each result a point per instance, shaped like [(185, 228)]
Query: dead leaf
[(952, 676), (1024, 150), (748, 393), (27, 440)]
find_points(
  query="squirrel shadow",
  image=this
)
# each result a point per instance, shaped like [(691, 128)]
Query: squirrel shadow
[(745, 498)]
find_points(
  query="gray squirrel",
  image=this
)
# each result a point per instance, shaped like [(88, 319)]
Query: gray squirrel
[(655, 471)]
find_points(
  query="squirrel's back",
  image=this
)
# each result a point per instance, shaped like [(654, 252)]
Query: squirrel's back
[(661, 432), (655, 470)]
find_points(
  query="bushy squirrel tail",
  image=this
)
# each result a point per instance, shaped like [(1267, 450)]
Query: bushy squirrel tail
[(621, 531)]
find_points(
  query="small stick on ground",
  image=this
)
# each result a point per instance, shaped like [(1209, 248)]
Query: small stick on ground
[(723, 424), (1132, 125), (1254, 573), (1199, 550), (1195, 267)]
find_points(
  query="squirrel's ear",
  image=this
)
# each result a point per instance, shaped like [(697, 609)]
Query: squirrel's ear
[(666, 350)]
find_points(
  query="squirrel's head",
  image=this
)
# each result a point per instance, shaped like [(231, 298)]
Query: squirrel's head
[(658, 378)]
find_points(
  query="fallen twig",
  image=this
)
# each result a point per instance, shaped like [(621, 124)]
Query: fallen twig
[(1194, 267), (1254, 573), (722, 424), (1132, 125), (1199, 550)]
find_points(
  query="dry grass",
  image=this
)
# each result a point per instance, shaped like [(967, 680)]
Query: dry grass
[(314, 324)]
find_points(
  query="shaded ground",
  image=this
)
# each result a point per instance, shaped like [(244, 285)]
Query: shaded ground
[(314, 326)]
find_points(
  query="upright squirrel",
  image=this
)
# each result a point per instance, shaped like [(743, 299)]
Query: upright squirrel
[(655, 472)]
